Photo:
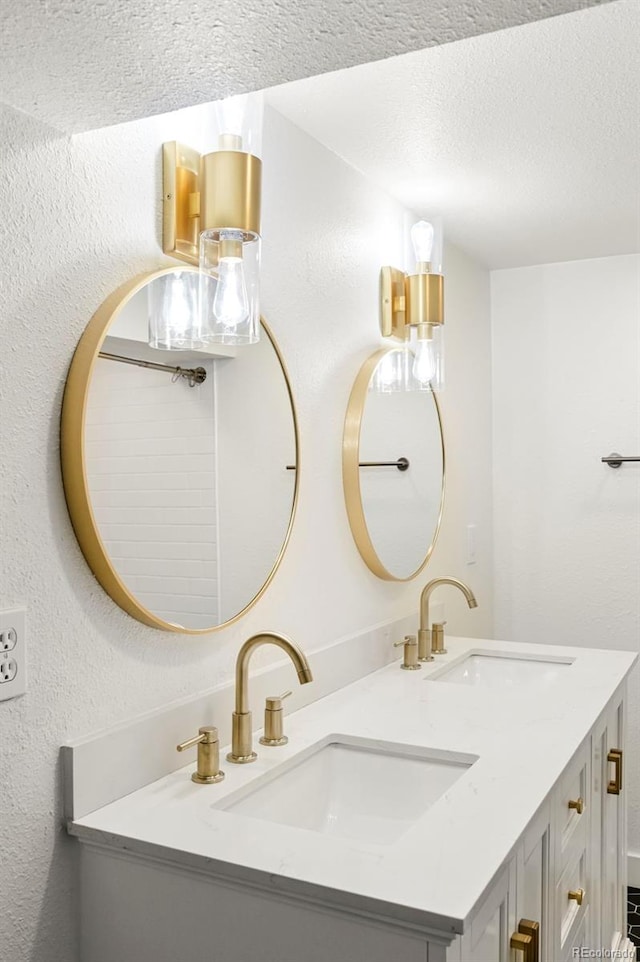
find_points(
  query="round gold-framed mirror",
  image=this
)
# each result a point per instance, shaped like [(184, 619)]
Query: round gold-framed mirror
[(174, 464), (393, 470)]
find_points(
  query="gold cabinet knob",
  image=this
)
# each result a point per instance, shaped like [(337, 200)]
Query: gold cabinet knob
[(410, 661), (274, 721), (577, 896), (208, 769), (577, 804)]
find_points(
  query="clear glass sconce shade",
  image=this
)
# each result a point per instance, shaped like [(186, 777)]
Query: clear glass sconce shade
[(393, 372), (229, 306), (426, 239), (174, 321), (238, 124), (427, 348)]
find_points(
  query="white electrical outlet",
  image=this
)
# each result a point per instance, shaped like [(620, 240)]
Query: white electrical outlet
[(13, 654)]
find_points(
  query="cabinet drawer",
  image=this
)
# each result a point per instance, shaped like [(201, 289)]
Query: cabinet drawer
[(571, 911), (572, 812)]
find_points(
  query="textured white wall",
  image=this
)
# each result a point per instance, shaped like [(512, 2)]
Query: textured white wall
[(150, 449), (80, 216), (566, 364)]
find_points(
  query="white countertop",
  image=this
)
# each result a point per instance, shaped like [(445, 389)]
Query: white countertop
[(436, 872)]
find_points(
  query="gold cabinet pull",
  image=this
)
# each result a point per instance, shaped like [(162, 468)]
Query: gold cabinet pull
[(615, 787), (577, 896), (532, 929), (577, 804), (208, 769), (527, 940), (522, 943)]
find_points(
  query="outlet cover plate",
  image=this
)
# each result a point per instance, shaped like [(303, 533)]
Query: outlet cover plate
[(13, 653)]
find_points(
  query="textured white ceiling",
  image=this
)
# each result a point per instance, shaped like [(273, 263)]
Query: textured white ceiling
[(76, 64), (527, 141)]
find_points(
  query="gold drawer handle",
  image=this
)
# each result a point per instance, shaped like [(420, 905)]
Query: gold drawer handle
[(522, 943), (577, 896), (527, 940), (578, 804), (615, 756)]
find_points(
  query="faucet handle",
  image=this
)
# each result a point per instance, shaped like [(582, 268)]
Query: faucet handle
[(274, 702), (437, 638), (208, 769), (273, 721), (410, 661)]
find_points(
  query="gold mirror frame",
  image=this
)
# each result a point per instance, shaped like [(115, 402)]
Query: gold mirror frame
[(74, 467), (351, 473)]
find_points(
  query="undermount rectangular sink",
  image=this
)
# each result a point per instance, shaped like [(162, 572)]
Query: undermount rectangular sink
[(354, 789), (503, 671)]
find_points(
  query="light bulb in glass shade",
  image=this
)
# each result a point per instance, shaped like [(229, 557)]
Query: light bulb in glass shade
[(231, 300), (422, 240), (180, 309), (424, 365), (387, 376), (173, 311), (231, 116)]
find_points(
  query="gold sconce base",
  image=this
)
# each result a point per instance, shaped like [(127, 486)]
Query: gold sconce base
[(392, 302), (180, 208), (218, 190)]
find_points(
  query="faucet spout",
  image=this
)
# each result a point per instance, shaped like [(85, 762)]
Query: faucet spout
[(241, 744), (424, 634)]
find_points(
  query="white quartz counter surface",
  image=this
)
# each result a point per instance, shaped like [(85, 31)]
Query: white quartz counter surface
[(435, 873)]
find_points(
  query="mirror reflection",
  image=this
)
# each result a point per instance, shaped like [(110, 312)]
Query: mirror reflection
[(186, 469), (395, 508)]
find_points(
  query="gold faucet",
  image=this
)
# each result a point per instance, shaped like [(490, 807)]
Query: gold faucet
[(424, 634), (241, 737)]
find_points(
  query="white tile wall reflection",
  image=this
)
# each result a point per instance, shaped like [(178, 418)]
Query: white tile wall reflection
[(151, 470)]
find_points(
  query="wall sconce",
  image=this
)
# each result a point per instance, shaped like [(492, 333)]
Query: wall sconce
[(211, 217), (412, 311)]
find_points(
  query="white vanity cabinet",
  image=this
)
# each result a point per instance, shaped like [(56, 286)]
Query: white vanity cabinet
[(521, 859), (609, 825), (576, 844)]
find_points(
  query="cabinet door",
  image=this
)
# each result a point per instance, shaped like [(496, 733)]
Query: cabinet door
[(609, 826), (488, 936), (580, 946), (533, 884)]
